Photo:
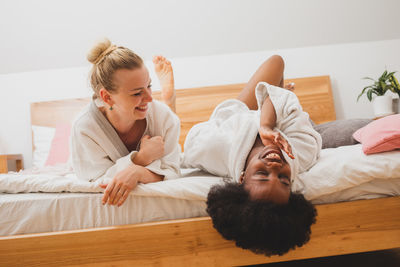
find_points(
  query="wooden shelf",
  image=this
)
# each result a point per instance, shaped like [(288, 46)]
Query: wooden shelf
[(5, 160)]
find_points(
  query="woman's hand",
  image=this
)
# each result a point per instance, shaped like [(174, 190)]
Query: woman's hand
[(268, 135), (151, 148), (117, 191)]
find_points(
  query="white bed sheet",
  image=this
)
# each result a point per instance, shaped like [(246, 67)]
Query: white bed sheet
[(342, 174)]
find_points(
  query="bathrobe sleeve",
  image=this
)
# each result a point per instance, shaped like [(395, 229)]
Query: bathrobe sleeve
[(293, 123), (90, 160), (166, 124)]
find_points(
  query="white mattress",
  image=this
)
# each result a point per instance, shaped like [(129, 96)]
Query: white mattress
[(341, 174), (47, 212)]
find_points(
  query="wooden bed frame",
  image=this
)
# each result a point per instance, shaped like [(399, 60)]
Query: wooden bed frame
[(341, 228)]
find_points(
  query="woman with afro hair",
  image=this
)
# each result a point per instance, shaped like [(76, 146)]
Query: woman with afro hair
[(260, 141)]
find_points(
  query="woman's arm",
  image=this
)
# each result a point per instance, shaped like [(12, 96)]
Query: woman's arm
[(167, 126), (117, 191), (268, 114), (267, 125), (90, 159)]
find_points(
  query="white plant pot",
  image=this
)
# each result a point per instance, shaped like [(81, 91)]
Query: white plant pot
[(383, 105)]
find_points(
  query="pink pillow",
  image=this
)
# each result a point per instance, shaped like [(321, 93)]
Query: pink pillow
[(59, 150), (380, 135)]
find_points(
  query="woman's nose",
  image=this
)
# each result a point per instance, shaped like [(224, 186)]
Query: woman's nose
[(147, 96), (273, 177)]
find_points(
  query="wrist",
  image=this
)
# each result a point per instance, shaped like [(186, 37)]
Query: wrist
[(139, 158), (139, 172), (134, 172), (266, 127), (268, 114)]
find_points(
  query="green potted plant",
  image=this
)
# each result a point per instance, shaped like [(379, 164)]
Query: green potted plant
[(382, 103)]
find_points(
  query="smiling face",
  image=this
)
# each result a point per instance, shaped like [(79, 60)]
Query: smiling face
[(267, 175), (133, 93)]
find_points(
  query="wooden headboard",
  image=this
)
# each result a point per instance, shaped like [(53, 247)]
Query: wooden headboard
[(195, 105)]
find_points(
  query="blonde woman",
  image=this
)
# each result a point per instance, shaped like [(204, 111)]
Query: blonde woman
[(124, 134)]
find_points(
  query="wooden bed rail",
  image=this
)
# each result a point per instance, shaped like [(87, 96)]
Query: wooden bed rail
[(341, 228)]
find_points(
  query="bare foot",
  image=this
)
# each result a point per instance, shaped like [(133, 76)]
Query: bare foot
[(290, 86), (165, 74)]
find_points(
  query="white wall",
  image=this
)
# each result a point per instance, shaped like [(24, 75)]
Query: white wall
[(47, 34), (345, 63)]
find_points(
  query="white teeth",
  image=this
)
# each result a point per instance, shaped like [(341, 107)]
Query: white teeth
[(273, 155)]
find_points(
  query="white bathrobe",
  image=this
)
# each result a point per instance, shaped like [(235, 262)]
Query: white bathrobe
[(98, 152), (221, 144)]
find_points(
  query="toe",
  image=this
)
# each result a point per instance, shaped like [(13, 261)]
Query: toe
[(168, 66), (156, 59)]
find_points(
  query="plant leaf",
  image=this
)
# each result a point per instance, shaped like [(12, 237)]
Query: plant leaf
[(395, 83), (368, 78), (369, 95), (382, 88), (363, 91), (383, 76), (375, 92)]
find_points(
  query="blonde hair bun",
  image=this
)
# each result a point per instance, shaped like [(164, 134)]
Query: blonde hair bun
[(98, 50), (107, 59)]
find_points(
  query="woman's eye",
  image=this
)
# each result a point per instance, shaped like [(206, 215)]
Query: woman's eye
[(150, 85), (284, 179), (137, 94), (264, 173)]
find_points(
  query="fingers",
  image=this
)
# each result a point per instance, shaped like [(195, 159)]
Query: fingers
[(157, 138), (118, 196), (285, 146), (279, 140), (146, 137), (107, 192), (113, 193), (290, 154), (123, 198)]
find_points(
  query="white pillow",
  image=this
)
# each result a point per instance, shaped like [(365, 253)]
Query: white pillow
[(346, 167), (42, 138)]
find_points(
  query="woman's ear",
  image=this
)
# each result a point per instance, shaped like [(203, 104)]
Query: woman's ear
[(106, 97), (241, 178)]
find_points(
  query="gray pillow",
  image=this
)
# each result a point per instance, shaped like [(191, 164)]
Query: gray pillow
[(340, 132)]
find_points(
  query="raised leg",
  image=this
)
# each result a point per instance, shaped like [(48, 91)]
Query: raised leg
[(271, 71), (165, 74)]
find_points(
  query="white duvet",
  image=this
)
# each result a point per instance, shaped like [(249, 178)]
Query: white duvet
[(193, 185), (337, 170)]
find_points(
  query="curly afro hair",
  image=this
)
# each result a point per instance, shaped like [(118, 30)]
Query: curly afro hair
[(260, 226)]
